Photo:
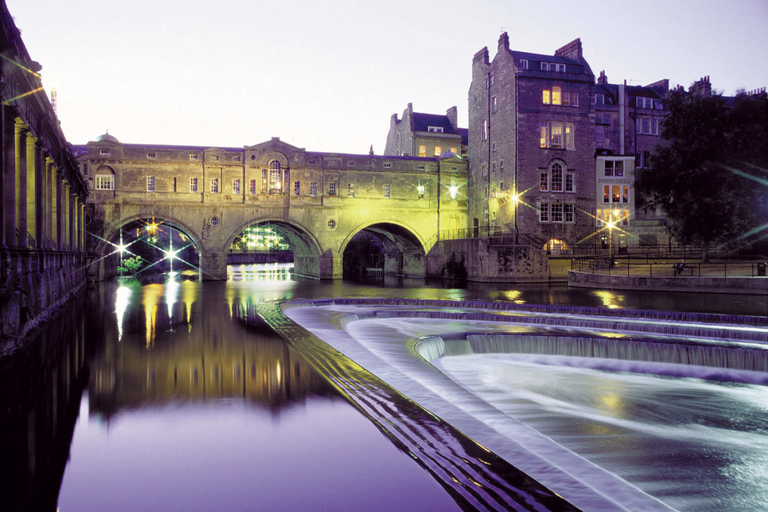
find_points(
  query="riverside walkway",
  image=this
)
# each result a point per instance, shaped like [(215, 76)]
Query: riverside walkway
[(744, 277)]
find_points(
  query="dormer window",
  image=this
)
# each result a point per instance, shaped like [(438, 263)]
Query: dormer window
[(435, 129), (104, 152), (193, 156), (215, 158), (545, 66), (599, 99), (151, 155), (523, 63), (558, 68)]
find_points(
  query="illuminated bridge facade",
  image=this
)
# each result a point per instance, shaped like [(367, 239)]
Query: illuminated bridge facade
[(317, 202)]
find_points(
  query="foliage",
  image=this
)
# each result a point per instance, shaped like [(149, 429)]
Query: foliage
[(710, 173), (130, 265)]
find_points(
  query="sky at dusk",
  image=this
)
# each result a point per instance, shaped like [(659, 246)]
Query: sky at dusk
[(327, 76)]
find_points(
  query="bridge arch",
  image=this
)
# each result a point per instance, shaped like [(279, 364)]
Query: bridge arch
[(176, 246), (307, 251), (401, 251)]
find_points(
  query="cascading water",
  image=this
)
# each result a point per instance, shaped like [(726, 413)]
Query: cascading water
[(585, 404)]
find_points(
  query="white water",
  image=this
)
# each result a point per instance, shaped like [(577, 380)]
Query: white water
[(605, 440), (696, 445)]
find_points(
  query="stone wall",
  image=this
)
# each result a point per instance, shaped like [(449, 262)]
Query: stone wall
[(479, 259)]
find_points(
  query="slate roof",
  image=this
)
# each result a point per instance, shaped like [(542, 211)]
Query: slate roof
[(571, 66), (421, 122)]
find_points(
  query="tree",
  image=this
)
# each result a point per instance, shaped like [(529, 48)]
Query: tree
[(710, 173)]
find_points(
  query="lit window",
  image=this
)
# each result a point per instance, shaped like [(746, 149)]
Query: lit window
[(545, 97), (274, 177), (150, 183), (438, 150), (193, 184), (570, 143), (544, 134), (214, 185), (566, 98), (236, 186), (105, 182), (420, 191), (453, 150), (422, 150), (556, 96), (556, 135)]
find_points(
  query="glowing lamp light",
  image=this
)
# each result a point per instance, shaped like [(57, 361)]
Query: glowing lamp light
[(152, 228), (453, 189), (420, 189), (170, 254)]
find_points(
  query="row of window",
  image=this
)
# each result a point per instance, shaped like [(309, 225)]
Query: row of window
[(604, 216), (556, 212), (557, 135), (438, 152), (556, 96), (616, 194), (557, 180), (108, 183), (647, 125)]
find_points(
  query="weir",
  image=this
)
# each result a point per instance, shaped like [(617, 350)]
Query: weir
[(396, 339)]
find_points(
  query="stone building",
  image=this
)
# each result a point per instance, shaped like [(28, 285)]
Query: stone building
[(317, 201), (42, 250), (532, 146), (627, 127), (426, 135)]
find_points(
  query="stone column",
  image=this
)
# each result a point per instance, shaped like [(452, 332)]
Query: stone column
[(33, 190), (66, 211), (55, 208), (48, 222), (20, 182)]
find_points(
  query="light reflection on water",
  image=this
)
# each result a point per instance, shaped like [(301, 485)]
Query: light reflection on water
[(166, 355)]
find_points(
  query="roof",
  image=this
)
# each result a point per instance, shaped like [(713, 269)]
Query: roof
[(422, 122), (572, 66)]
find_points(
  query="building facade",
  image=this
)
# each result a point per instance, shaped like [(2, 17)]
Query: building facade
[(426, 135), (532, 146)]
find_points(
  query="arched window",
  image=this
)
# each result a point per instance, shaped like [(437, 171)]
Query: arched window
[(556, 177), (104, 178), (275, 178)]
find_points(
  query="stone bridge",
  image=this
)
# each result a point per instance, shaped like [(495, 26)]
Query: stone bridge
[(317, 201)]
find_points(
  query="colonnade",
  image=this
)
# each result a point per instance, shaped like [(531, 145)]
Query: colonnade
[(42, 196)]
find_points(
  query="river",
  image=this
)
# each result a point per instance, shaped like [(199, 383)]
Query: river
[(153, 396)]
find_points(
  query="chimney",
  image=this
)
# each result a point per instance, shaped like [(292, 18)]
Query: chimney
[(701, 88), (602, 79), (504, 42), (571, 51), (453, 117)]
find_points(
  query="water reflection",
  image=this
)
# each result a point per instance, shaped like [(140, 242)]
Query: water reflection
[(147, 358)]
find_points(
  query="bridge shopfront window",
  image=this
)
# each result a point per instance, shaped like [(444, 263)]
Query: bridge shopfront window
[(252, 187), (275, 178), (105, 182), (193, 184), (214, 185), (236, 186), (150, 183)]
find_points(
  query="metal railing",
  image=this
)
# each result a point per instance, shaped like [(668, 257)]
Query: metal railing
[(667, 267)]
